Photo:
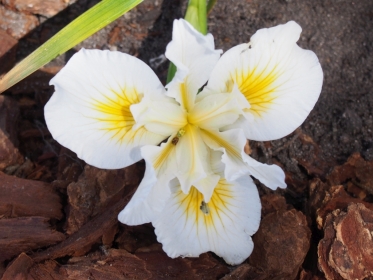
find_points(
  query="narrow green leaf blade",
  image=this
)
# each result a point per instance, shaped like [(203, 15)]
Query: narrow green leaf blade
[(78, 30)]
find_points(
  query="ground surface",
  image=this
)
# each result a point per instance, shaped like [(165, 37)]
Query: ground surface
[(58, 215)]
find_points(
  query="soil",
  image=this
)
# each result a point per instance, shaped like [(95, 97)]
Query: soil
[(58, 215)]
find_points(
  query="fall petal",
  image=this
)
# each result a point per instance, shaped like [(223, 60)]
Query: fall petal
[(189, 227), (89, 112), (281, 81)]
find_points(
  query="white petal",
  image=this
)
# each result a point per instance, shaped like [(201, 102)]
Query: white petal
[(138, 210), (214, 168), (162, 116), (162, 159), (215, 111), (187, 227), (272, 176), (191, 154), (89, 112), (195, 56), (231, 143), (281, 81)]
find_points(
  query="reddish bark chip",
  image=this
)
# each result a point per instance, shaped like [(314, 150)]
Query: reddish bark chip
[(356, 169), (94, 189), (7, 51), (21, 197), (119, 264), (324, 199), (47, 8), (18, 269), (346, 251), (272, 203), (9, 153), (15, 24), (281, 244), (24, 234)]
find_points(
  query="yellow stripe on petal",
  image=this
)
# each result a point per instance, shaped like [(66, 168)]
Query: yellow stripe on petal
[(258, 87), (115, 114), (202, 213)]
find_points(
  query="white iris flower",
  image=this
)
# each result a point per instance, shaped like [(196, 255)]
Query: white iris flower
[(112, 110)]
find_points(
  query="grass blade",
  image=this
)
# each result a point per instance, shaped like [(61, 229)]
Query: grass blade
[(81, 28)]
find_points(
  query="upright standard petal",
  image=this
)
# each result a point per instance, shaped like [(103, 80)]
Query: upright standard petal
[(281, 81), (188, 226), (194, 56), (89, 113)]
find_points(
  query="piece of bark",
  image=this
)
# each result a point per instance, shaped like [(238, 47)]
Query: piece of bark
[(306, 275), (9, 153), (272, 202), (89, 234), (8, 49), (132, 238), (335, 197), (19, 235), (247, 272), (346, 251), (70, 167), (356, 169), (16, 24), (18, 269), (95, 187), (47, 8), (281, 244), (155, 264), (119, 264), (21, 197)]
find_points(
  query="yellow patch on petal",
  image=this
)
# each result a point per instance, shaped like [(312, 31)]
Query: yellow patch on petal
[(258, 88), (221, 142), (208, 214), (164, 154), (115, 114)]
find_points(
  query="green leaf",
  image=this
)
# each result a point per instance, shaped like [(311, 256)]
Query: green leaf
[(81, 28), (210, 5), (196, 15)]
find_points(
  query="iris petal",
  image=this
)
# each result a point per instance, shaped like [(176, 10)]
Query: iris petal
[(89, 112), (223, 225), (195, 56), (281, 81)]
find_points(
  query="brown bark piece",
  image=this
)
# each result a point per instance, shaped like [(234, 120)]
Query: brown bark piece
[(24, 234), (18, 269), (356, 169), (95, 187), (281, 244), (81, 241), (272, 203), (15, 24), (21, 197), (119, 264), (9, 153), (335, 198), (247, 272), (346, 251), (7, 51), (47, 8), (135, 237)]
